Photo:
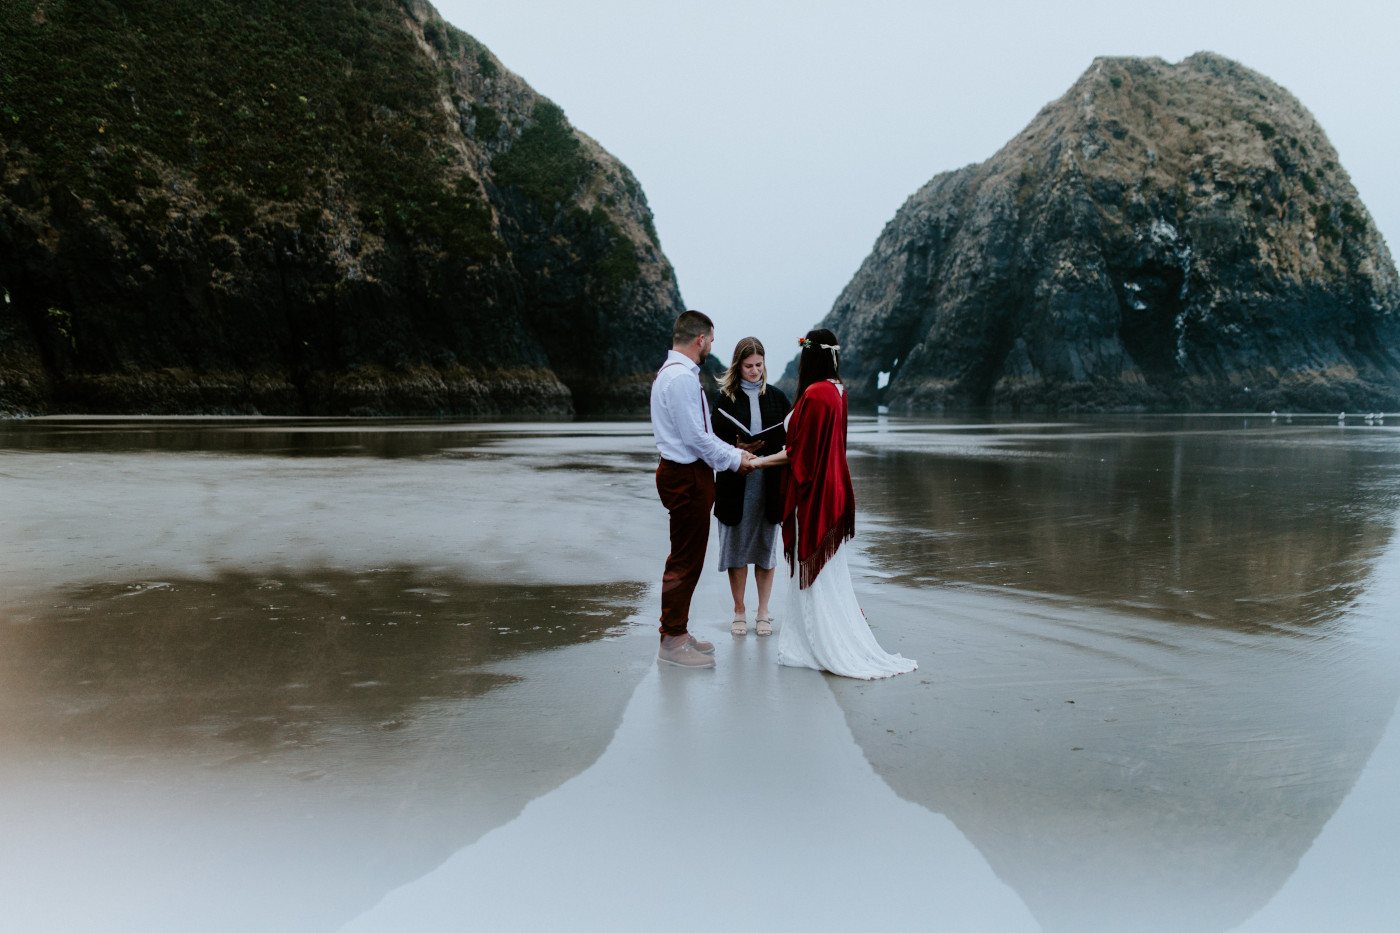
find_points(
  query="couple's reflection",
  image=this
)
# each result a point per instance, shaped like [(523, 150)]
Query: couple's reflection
[(1144, 703)]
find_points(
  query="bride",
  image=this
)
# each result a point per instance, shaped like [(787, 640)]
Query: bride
[(825, 628)]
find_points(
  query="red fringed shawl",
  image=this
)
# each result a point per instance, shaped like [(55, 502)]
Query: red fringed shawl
[(819, 506)]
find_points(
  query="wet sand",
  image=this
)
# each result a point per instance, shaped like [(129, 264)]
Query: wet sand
[(397, 675), (734, 799)]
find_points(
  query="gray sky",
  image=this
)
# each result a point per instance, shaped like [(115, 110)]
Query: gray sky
[(775, 139)]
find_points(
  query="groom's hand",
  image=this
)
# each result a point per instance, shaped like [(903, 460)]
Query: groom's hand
[(748, 464)]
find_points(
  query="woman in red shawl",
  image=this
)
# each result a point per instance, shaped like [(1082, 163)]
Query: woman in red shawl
[(825, 628)]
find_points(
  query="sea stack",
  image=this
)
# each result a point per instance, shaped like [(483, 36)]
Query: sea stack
[(330, 208), (1161, 237)]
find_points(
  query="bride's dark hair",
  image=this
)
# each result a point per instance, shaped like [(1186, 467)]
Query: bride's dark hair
[(815, 363)]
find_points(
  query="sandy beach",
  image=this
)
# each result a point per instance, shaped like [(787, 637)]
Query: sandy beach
[(400, 675)]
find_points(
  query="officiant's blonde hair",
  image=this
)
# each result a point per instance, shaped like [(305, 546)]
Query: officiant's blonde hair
[(732, 376)]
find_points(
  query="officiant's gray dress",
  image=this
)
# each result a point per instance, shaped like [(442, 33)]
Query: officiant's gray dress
[(753, 540)]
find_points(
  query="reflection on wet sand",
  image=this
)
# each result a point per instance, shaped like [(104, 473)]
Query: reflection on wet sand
[(731, 799), (269, 662), (1240, 528), (1120, 772), (314, 738), (1155, 656), (1119, 763), (387, 438)]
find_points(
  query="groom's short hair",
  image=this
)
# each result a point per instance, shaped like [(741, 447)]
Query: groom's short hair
[(689, 325)]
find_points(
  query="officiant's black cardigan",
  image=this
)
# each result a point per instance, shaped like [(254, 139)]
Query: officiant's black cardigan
[(773, 407)]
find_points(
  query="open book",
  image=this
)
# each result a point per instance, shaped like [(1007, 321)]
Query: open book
[(745, 428)]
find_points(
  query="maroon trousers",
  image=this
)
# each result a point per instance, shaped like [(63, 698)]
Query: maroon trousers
[(688, 492)]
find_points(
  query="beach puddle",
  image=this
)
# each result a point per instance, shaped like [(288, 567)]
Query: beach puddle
[(171, 745), (287, 660)]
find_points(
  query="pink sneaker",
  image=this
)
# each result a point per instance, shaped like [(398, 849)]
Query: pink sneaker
[(676, 649)]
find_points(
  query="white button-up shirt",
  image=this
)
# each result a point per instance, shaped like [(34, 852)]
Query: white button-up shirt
[(680, 417)]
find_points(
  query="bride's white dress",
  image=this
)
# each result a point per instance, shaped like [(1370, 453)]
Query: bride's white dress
[(826, 630)]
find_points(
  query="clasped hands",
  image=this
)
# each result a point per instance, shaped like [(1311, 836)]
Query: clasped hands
[(749, 463)]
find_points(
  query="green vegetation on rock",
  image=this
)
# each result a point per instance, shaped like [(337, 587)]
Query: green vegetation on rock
[(488, 121), (546, 163), (619, 265), (1322, 220), (270, 102), (331, 206)]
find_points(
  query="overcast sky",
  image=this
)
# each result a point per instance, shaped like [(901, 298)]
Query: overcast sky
[(775, 139)]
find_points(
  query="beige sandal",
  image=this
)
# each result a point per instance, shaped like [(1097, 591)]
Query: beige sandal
[(763, 626), (739, 626)]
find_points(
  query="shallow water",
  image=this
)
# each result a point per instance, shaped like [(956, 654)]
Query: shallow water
[(364, 667)]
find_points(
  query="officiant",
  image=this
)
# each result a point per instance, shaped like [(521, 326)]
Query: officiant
[(749, 413)]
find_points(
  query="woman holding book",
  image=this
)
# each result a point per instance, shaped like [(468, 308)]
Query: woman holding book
[(749, 413)]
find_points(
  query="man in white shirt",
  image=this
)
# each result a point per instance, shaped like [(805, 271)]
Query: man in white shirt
[(680, 422)]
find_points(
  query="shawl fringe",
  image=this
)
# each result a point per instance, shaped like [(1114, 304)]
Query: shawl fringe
[(837, 535)]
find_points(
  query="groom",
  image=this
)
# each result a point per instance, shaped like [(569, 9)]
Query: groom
[(680, 422)]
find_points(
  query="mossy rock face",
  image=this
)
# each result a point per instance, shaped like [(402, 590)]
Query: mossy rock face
[(297, 191), (1161, 237)]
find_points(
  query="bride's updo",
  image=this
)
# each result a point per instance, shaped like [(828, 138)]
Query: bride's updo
[(820, 359)]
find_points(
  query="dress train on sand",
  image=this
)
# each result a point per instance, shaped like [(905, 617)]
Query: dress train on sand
[(825, 629)]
